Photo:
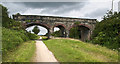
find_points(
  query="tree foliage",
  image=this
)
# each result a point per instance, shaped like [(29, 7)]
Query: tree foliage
[(8, 22), (12, 38), (4, 16), (18, 14), (107, 32), (75, 33), (12, 33), (56, 33), (36, 30)]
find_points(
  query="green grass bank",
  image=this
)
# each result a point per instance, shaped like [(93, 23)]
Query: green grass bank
[(22, 53), (66, 50), (17, 45), (13, 38)]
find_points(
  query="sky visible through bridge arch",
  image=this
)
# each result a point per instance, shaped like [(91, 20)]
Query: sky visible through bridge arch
[(94, 9), (43, 30)]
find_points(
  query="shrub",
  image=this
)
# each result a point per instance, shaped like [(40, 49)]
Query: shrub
[(74, 33), (57, 34), (12, 38), (12, 32), (107, 33), (32, 36)]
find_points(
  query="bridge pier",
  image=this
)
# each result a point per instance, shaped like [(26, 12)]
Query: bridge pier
[(67, 34), (63, 32), (50, 31)]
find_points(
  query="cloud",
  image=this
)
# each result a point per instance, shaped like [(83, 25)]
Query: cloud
[(95, 10), (89, 9), (96, 13), (47, 4), (53, 8), (64, 9), (14, 8)]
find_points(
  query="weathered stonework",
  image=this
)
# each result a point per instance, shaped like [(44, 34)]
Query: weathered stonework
[(64, 23)]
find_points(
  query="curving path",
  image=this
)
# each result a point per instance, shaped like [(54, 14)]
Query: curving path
[(42, 53)]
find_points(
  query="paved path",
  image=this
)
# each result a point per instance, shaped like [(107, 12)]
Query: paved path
[(42, 53)]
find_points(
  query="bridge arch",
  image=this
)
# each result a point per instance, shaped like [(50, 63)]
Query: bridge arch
[(74, 25), (39, 24), (60, 25), (84, 31), (62, 29)]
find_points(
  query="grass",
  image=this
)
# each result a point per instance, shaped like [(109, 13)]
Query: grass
[(66, 50), (22, 53), (44, 37)]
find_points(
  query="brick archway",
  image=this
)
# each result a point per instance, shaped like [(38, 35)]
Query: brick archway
[(40, 24), (59, 25), (62, 29), (84, 31), (79, 25)]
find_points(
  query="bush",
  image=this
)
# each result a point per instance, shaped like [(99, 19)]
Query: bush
[(74, 33), (12, 38), (106, 32), (12, 32), (32, 36), (57, 34)]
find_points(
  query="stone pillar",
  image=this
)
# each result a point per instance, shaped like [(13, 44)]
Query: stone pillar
[(82, 35), (67, 33), (48, 34), (89, 34), (62, 32), (91, 31), (50, 31)]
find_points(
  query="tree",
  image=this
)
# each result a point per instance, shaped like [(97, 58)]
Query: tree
[(75, 33), (9, 22), (18, 14), (36, 30), (107, 32), (5, 18), (110, 15)]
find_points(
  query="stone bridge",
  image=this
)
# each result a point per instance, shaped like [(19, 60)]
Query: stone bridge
[(86, 26)]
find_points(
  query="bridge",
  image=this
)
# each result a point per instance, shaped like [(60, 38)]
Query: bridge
[(86, 26)]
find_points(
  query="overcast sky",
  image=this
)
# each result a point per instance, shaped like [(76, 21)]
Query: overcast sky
[(84, 9), (93, 9)]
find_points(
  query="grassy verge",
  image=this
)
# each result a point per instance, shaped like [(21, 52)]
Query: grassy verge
[(22, 53), (44, 37), (76, 51)]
